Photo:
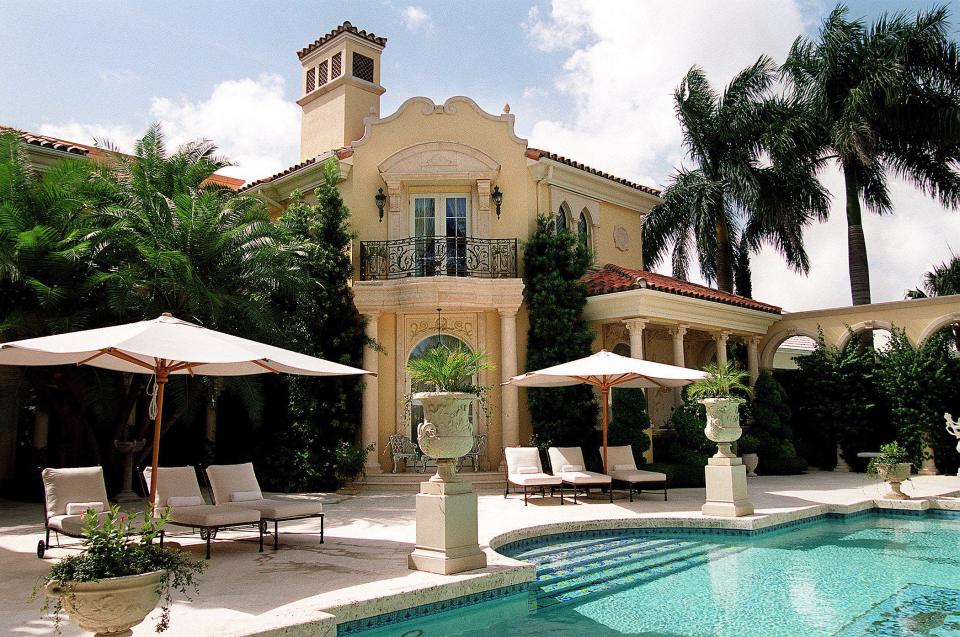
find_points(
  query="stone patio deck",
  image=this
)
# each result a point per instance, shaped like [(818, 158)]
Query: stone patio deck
[(306, 588)]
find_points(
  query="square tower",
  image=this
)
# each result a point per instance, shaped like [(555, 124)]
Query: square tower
[(341, 86)]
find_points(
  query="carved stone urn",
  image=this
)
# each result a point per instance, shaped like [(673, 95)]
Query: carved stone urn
[(112, 606), (894, 475), (446, 432), (723, 423)]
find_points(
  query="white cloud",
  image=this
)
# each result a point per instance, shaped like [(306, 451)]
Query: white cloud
[(249, 120), (416, 18), (624, 61)]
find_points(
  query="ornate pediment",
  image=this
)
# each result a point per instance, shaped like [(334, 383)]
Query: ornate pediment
[(439, 159)]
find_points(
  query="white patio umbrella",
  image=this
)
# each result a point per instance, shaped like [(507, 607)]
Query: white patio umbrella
[(606, 370), (165, 346)]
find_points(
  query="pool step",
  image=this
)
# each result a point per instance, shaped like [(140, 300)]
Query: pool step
[(578, 570)]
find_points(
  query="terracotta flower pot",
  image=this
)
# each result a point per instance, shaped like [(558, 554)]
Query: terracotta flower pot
[(723, 423), (446, 432), (110, 606), (894, 474)]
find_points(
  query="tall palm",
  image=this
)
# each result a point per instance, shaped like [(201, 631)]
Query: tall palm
[(745, 185), (178, 242), (883, 99)]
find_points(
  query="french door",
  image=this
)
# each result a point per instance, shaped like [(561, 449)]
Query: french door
[(441, 227)]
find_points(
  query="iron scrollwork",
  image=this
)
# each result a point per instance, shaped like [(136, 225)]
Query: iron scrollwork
[(438, 256)]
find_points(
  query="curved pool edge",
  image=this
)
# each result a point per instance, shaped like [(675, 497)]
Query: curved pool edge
[(748, 525)]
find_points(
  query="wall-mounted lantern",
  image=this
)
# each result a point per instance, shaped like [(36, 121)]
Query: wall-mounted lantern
[(381, 201), (497, 196)]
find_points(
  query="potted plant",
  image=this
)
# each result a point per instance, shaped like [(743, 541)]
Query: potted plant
[(747, 448), (114, 583), (891, 466), (446, 432), (349, 462), (716, 394)]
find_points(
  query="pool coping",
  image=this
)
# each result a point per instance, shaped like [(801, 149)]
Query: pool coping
[(355, 619)]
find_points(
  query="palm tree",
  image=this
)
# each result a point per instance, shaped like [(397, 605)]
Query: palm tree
[(750, 183), (178, 242), (882, 99), (942, 280)]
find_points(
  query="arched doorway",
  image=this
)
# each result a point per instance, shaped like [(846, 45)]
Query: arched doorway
[(416, 409), (786, 355)]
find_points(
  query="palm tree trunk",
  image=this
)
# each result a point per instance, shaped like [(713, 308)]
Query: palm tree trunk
[(724, 258), (856, 244)]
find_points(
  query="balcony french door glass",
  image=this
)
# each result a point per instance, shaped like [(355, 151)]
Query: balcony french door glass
[(441, 244)]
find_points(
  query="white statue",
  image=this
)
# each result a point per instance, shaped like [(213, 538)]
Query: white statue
[(954, 430)]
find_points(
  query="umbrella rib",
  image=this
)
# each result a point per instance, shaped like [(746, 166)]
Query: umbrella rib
[(130, 359), (90, 358), (265, 366)]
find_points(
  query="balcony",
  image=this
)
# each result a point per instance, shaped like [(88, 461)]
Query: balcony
[(438, 256)]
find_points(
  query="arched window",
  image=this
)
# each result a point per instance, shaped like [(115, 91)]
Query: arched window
[(583, 230), (416, 409), (562, 223)]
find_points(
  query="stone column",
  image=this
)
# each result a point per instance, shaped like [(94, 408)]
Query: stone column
[(635, 327), (753, 358), (509, 409), (721, 340), (370, 428), (678, 332)]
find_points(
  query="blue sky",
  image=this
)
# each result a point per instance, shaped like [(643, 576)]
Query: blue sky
[(590, 80)]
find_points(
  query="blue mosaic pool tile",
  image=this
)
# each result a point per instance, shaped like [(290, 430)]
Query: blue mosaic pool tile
[(368, 623), (913, 611)]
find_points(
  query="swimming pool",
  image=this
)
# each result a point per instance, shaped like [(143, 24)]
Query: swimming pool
[(872, 574)]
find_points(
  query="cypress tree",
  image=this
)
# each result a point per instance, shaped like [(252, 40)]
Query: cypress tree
[(554, 263)]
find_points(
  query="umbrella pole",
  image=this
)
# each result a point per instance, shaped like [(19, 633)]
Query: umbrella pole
[(158, 421), (604, 393)]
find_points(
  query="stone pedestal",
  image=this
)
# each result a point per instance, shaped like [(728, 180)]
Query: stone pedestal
[(726, 488), (842, 466), (929, 466), (446, 529)]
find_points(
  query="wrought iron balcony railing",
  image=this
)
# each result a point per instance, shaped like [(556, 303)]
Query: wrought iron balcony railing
[(438, 256)]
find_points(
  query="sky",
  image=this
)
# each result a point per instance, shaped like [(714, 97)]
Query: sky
[(589, 80)]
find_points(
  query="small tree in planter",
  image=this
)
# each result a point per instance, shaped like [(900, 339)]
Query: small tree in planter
[(446, 432), (717, 393), (891, 466), (116, 581)]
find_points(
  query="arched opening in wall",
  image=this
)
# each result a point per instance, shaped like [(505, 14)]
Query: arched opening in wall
[(947, 328), (583, 230), (622, 349), (881, 338), (785, 358), (421, 348), (562, 219)]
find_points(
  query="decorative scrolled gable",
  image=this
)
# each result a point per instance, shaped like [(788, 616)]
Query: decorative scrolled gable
[(439, 161)]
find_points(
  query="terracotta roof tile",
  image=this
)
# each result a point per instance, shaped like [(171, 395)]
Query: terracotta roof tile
[(614, 278), (345, 27), (342, 153), (53, 143), (537, 154)]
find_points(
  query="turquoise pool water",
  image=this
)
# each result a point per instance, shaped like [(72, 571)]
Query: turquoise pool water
[(870, 575)]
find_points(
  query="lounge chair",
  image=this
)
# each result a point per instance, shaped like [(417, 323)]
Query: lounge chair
[(236, 485), (624, 469), (68, 494), (179, 492), (567, 464), (525, 471)]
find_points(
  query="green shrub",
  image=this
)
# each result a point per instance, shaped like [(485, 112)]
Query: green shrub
[(770, 427), (629, 422)]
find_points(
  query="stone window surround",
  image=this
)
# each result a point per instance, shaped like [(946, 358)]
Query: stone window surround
[(574, 204), (441, 166)]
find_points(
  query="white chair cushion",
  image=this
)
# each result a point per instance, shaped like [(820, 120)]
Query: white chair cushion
[(226, 479), (77, 484), (185, 501), (624, 467), (175, 482), (638, 475), (273, 509), (517, 457), (212, 515), (560, 456), (528, 470), (535, 480), (80, 508), (571, 467), (245, 496)]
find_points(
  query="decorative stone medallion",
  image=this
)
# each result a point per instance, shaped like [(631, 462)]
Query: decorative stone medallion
[(621, 238)]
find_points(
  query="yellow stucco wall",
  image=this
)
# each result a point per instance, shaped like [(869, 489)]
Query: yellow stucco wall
[(626, 223)]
